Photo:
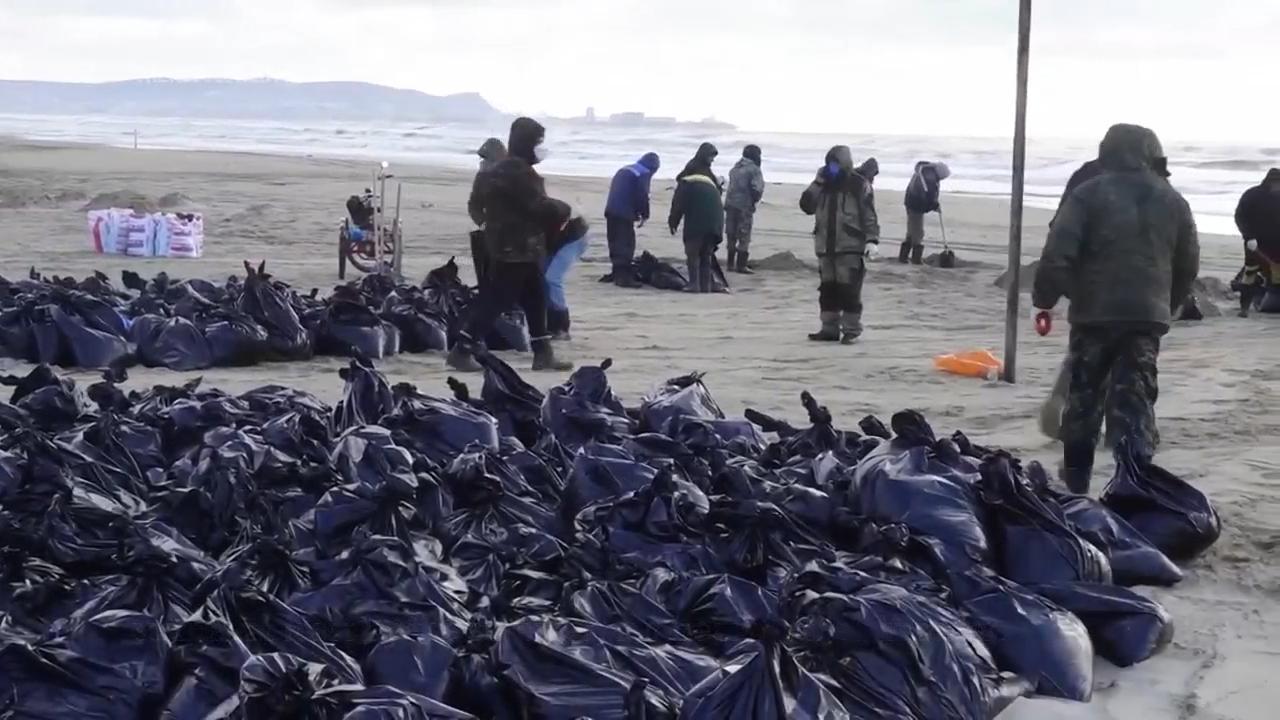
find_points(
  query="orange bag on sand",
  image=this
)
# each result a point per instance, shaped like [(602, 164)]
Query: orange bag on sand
[(972, 363)]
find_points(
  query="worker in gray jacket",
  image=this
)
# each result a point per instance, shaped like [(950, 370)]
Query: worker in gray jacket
[(746, 187)]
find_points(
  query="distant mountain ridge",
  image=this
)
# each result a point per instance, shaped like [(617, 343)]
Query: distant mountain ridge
[(263, 98)]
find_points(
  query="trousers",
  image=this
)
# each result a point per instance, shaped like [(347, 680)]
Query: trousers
[(840, 292), (509, 285), (737, 229), (621, 235), (558, 268), (1113, 375), (700, 256)]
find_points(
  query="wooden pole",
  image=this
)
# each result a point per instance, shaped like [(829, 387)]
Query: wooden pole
[(1015, 197)]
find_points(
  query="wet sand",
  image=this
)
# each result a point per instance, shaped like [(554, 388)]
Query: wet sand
[(1219, 378)]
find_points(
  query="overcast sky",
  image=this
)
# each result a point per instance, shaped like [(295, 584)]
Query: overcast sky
[(1191, 69)]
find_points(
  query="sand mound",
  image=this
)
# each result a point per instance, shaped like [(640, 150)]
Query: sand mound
[(174, 201), (21, 198), (785, 261), (1028, 275), (121, 199)]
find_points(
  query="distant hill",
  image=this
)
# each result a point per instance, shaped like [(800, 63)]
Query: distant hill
[(265, 99)]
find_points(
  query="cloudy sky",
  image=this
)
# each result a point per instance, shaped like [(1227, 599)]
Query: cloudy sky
[(1191, 69)]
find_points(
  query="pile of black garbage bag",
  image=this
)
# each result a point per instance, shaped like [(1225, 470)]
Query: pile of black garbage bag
[(504, 553), (196, 324)]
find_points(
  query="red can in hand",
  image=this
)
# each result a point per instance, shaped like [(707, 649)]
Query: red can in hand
[(1044, 323)]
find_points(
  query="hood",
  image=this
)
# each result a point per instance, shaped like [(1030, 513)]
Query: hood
[(651, 161), (1129, 148), (869, 169), (701, 162), (841, 155), (1273, 176), (752, 153), (492, 150), (526, 134)]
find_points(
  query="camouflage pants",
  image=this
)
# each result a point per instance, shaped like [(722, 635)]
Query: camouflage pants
[(840, 292), (737, 229), (1113, 373)]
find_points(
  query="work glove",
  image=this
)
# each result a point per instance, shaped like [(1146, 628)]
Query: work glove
[(1251, 245), (1043, 320), (641, 223), (672, 228), (871, 251)]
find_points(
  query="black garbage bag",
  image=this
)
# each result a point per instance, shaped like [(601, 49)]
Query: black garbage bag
[(380, 491), (761, 680), (584, 409), (419, 665), (510, 333), (716, 611), (1032, 541), (760, 543), (175, 343), (1030, 636), (108, 666), (490, 499), (820, 437), (602, 472), (421, 328), (1126, 628), (203, 668), (439, 429), (516, 404), (668, 509), (1169, 512), (237, 340), (366, 399), (269, 304), (570, 668), (485, 560), (619, 605), (350, 328), (80, 345), (1134, 560), (53, 403), (924, 484), (658, 274), (279, 685), (682, 397), (893, 653)]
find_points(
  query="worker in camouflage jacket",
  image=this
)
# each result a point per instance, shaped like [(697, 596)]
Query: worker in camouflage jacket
[(1123, 249), (746, 187), (846, 235)]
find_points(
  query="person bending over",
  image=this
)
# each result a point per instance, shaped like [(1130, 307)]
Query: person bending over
[(626, 209)]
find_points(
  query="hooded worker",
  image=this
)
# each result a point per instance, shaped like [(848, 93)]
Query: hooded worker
[(1258, 218), (846, 235), (697, 204), (518, 216), (627, 209), (1124, 250), (921, 198), (491, 152), (746, 187)]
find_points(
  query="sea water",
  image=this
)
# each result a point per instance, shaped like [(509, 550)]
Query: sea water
[(1211, 175)]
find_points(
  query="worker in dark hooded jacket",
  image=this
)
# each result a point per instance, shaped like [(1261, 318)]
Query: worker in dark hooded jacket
[(518, 217), (491, 152), (1124, 250), (1258, 218), (626, 209), (922, 197), (746, 187), (697, 203), (846, 235)]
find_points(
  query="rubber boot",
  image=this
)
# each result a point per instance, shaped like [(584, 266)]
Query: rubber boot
[(544, 358), (1076, 479), (917, 255), (625, 277), (693, 265), (462, 359), (830, 331), (743, 267), (850, 328), (1246, 300), (904, 252)]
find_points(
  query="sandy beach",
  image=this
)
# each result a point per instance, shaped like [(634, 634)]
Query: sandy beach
[(1219, 377)]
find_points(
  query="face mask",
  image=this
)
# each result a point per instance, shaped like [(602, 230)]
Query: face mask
[(540, 153)]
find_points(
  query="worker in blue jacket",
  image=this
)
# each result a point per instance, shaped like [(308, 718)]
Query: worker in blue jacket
[(627, 208)]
